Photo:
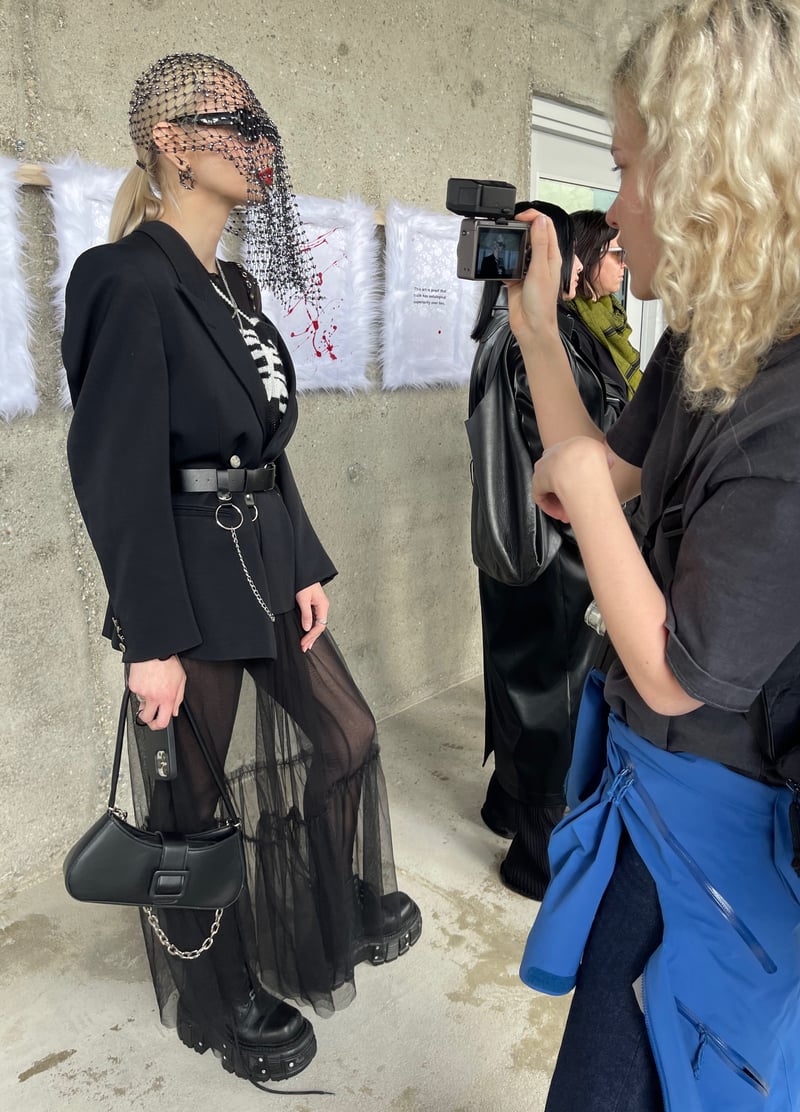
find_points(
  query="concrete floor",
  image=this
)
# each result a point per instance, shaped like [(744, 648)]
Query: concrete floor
[(447, 1028)]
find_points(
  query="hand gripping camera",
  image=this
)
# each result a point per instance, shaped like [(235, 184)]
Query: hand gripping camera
[(492, 245)]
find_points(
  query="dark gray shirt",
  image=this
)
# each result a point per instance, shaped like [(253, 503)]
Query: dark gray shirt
[(731, 576)]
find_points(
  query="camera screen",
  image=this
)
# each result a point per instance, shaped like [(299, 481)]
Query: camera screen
[(499, 252)]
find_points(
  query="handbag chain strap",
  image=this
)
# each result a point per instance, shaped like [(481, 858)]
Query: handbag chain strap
[(171, 948)]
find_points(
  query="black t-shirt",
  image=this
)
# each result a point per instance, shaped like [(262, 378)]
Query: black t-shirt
[(731, 579)]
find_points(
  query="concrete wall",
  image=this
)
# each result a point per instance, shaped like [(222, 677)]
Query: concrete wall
[(381, 98)]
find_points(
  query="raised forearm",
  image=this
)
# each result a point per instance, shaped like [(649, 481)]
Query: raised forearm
[(533, 316), (560, 412), (631, 602)]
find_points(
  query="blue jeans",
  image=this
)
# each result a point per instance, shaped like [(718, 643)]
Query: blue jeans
[(605, 1063)]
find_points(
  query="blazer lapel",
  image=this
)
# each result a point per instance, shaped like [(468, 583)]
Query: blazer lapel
[(194, 285)]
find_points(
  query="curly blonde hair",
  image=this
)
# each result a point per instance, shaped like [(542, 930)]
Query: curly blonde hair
[(716, 84)]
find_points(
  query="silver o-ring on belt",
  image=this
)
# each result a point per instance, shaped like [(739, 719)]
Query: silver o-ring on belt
[(225, 482)]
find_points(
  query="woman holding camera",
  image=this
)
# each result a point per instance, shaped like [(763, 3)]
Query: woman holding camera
[(674, 906), (537, 647), (185, 401)]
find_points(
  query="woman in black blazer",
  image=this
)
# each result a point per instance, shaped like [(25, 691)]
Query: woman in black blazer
[(184, 398)]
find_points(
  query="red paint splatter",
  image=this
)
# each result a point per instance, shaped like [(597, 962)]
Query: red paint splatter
[(321, 339)]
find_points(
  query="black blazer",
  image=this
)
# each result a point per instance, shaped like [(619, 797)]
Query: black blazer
[(160, 379)]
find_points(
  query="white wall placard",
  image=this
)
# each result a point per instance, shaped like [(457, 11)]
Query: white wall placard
[(428, 311)]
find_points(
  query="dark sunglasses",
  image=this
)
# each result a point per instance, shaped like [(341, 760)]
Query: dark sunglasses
[(249, 125)]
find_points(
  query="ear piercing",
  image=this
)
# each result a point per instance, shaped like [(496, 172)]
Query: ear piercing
[(186, 177)]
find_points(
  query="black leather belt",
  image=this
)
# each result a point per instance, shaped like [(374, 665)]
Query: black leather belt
[(238, 480)]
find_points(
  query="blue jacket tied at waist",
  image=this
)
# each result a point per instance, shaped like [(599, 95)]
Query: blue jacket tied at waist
[(722, 992)]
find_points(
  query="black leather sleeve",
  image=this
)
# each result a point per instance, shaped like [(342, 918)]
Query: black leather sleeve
[(522, 394), (589, 386)]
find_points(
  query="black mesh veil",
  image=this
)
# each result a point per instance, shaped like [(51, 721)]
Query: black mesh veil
[(213, 108)]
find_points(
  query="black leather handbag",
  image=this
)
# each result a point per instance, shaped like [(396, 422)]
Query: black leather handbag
[(116, 863), (512, 539)]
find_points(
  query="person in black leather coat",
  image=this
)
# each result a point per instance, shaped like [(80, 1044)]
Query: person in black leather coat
[(537, 649)]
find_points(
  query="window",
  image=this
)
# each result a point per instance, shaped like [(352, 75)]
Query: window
[(571, 166)]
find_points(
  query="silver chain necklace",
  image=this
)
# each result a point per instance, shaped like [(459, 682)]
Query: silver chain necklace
[(230, 301)]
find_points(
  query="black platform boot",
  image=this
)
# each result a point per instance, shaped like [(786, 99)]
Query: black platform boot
[(269, 1040), (258, 1036), (499, 810), (526, 868), (386, 927)]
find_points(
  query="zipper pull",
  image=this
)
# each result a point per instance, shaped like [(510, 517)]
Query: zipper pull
[(794, 824), (620, 784)]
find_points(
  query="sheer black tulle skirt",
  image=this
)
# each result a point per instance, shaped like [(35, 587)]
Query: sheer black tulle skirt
[(298, 745)]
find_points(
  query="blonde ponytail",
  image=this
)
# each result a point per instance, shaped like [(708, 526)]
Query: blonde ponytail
[(135, 203)]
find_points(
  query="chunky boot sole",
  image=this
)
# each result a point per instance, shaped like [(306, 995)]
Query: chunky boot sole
[(253, 1063), (390, 946)]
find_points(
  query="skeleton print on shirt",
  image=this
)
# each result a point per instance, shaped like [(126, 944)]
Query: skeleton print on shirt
[(267, 360), (259, 336)]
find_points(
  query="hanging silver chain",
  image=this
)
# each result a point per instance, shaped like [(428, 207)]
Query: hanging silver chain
[(249, 577), (187, 955), (232, 530)]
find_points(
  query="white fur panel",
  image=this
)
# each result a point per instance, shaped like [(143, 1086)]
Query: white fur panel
[(18, 395), (82, 196), (428, 312), (332, 347)]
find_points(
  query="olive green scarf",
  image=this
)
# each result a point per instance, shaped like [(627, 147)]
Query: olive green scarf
[(606, 319)]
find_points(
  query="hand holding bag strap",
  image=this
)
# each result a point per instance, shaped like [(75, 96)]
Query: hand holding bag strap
[(227, 802)]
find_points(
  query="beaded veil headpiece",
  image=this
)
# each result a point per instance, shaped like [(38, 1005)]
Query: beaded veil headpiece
[(214, 109)]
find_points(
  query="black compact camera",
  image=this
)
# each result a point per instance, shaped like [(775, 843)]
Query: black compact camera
[(492, 245)]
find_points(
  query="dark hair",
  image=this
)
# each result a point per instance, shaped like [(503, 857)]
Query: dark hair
[(592, 237), (565, 234)]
